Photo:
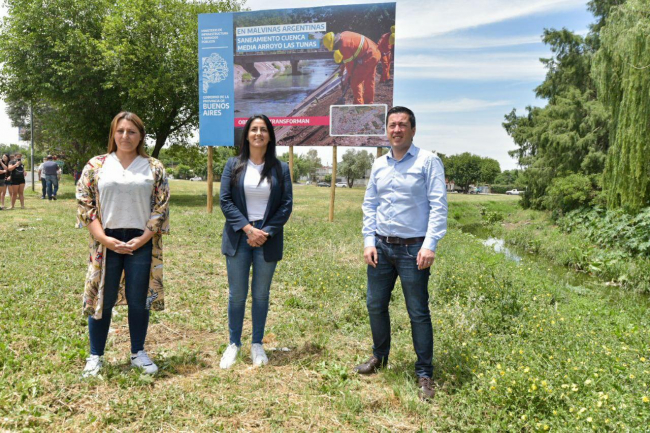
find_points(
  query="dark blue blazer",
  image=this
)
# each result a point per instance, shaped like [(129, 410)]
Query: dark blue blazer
[(233, 206)]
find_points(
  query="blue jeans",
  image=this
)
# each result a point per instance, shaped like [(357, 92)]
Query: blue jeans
[(239, 267), (52, 185), (44, 185), (136, 268), (393, 261)]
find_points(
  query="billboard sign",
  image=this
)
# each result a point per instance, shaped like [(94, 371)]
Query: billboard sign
[(310, 70)]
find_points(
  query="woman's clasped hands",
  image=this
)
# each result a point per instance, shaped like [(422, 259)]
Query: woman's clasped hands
[(124, 247), (256, 237)]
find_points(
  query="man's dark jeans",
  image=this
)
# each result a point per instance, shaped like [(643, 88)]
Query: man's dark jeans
[(393, 261), (52, 185), (136, 268), (44, 185)]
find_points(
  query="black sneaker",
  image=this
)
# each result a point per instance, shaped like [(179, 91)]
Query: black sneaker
[(53, 197)]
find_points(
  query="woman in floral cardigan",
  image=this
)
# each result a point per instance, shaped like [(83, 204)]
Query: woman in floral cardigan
[(123, 199)]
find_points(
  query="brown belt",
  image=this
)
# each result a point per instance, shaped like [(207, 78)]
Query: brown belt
[(400, 241)]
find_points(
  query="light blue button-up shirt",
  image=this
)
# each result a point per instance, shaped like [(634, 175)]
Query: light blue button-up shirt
[(406, 198)]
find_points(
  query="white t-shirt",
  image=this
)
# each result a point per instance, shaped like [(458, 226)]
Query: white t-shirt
[(125, 194), (257, 196)]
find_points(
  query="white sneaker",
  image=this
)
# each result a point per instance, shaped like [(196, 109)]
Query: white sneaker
[(93, 365), (142, 360), (229, 356), (258, 355)]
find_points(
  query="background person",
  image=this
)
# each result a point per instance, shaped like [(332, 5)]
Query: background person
[(123, 199), (358, 56), (256, 199), (386, 46), (41, 178), (52, 172), (4, 172), (17, 187), (404, 218)]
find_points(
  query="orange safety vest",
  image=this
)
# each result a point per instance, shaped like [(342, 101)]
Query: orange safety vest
[(354, 46)]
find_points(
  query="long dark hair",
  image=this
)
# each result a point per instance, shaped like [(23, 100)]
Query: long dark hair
[(270, 158)]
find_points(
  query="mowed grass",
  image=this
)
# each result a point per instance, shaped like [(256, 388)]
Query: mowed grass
[(516, 348)]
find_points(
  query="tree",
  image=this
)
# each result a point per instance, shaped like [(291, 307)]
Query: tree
[(463, 169), (507, 177), (195, 157), (301, 165), (621, 70), (571, 134), (490, 169), (314, 163), (87, 61), (354, 165)]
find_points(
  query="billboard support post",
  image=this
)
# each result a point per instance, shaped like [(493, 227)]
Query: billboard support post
[(333, 184), (31, 121), (210, 177), (291, 162), (379, 152)]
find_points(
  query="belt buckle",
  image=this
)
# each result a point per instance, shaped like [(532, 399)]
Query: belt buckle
[(393, 240)]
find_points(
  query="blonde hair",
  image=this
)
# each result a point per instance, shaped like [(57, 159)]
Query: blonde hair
[(133, 118)]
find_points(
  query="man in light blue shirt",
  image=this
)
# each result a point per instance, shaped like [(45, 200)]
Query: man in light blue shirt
[(404, 218)]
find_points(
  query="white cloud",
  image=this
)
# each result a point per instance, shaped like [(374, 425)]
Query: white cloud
[(457, 106), (485, 140), (478, 66), (449, 42)]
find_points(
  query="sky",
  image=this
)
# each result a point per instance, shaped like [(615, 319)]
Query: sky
[(460, 65)]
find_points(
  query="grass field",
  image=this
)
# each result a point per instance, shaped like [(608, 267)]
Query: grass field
[(516, 347)]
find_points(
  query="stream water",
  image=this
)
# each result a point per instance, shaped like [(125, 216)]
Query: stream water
[(578, 282), (277, 95)]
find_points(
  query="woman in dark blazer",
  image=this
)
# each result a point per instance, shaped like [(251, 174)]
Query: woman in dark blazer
[(256, 199)]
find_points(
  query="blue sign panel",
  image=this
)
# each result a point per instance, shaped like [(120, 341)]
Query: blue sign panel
[(216, 84)]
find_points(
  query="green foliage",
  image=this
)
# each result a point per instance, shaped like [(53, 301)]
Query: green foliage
[(303, 165), (569, 193), (196, 158), (571, 134), (465, 169), (183, 171), (612, 228), (355, 165), (82, 62), (620, 69), (328, 178), (507, 177)]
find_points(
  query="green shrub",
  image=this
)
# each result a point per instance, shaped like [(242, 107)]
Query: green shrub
[(183, 172), (569, 193)]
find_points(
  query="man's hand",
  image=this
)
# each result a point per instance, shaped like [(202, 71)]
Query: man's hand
[(425, 258), (370, 256)]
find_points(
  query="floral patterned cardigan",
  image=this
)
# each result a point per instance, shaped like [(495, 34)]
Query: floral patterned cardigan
[(89, 209)]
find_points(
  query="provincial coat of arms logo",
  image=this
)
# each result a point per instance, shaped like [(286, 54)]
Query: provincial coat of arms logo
[(215, 70)]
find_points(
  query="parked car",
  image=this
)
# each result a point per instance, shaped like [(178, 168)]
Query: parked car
[(195, 179), (322, 184), (514, 192), (341, 185)]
